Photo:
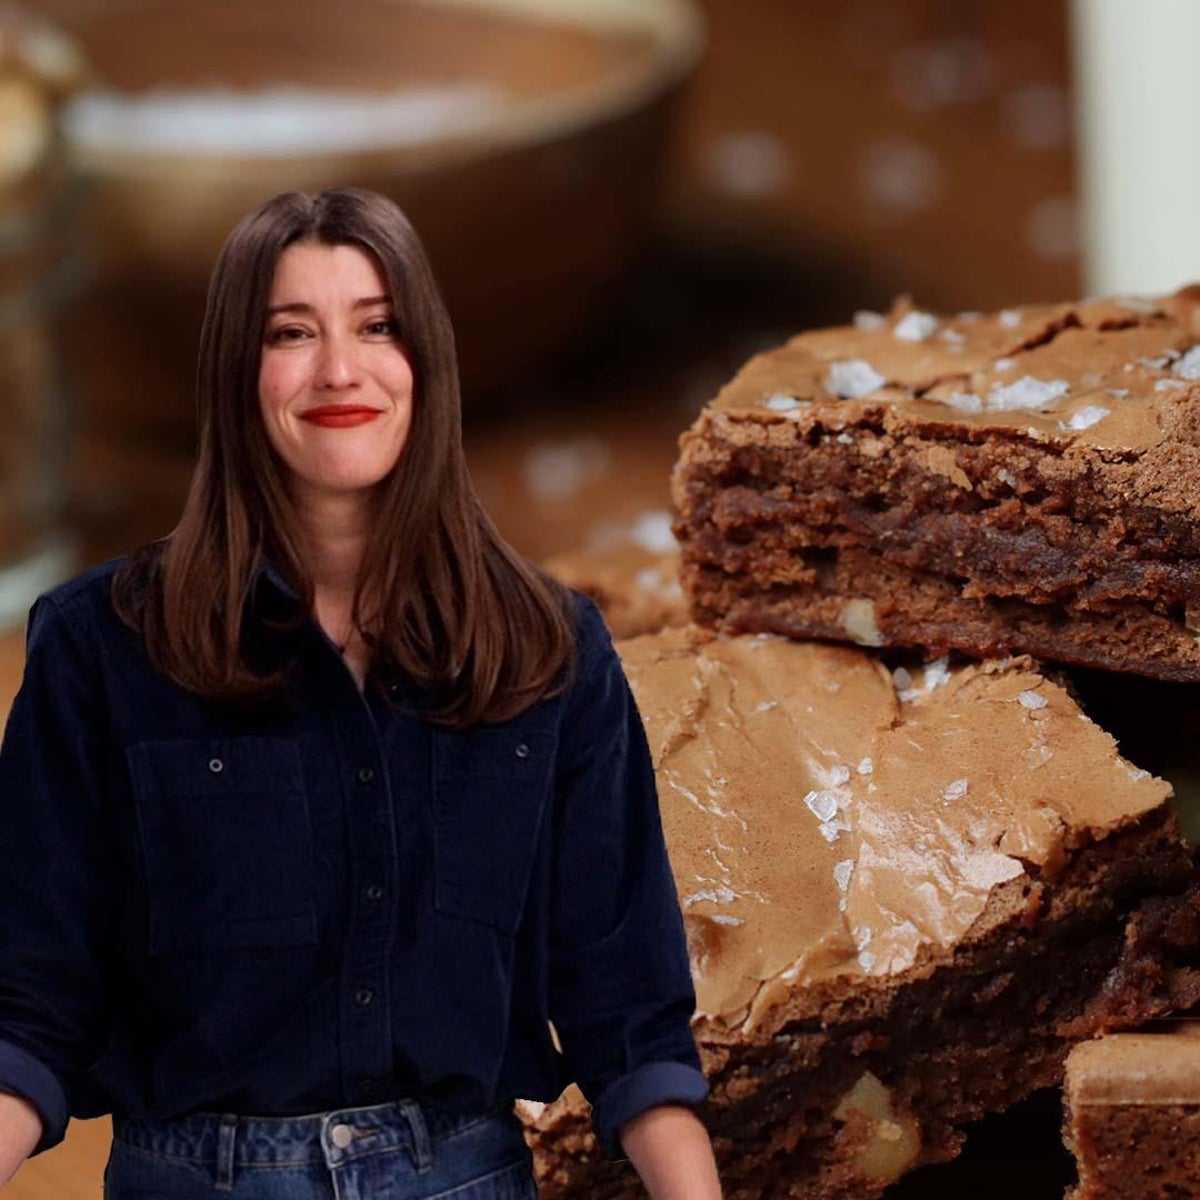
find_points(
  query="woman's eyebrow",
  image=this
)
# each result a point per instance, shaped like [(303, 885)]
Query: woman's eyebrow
[(298, 306)]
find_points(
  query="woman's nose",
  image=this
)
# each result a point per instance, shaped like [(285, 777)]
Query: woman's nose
[(337, 363)]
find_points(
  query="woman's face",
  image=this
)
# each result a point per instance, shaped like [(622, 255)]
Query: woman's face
[(335, 385)]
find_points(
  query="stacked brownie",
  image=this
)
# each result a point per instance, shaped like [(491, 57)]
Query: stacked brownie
[(910, 886), (1022, 482), (1133, 1115)]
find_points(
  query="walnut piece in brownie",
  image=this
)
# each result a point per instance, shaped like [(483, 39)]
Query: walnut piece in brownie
[(1026, 481), (906, 895), (1133, 1114)]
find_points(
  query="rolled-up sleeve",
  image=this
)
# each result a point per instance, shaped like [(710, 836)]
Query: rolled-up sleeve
[(621, 990), (55, 892)]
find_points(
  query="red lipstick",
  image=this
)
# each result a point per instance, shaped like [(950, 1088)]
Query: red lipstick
[(339, 416)]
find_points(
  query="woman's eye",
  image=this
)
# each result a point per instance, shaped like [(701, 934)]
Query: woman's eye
[(286, 333), (383, 327)]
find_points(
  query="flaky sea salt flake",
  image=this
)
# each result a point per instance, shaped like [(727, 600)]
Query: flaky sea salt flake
[(1188, 367), (781, 403), (1026, 393), (1004, 364), (1037, 756), (1085, 418), (915, 326), (842, 872), (865, 767), (652, 531), (966, 402), (822, 804), (955, 790), (831, 828), (869, 321), (1170, 385), (853, 378), (937, 673), (1010, 318), (1154, 364), (1032, 700), (717, 895)]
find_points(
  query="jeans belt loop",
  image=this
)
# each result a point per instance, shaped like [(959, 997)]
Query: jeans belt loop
[(422, 1146), (226, 1132)]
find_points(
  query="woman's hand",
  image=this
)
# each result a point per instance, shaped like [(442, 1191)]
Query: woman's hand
[(670, 1149), (20, 1132)]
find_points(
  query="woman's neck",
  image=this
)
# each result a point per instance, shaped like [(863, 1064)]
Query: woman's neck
[(333, 531)]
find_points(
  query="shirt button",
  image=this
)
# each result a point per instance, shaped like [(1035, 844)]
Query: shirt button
[(373, 892), (341, 1136), (363, 997), (216, 766), (365, 774), (522, 751)]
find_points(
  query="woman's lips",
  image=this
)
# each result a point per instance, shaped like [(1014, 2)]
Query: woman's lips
[(339, 418)]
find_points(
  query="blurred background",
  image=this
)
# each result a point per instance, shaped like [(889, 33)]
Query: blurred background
[(622, 199)]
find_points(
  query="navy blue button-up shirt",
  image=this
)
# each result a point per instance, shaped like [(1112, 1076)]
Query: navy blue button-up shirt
[(330, 902)]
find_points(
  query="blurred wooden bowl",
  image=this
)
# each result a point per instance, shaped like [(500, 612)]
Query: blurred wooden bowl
[(527, 213)]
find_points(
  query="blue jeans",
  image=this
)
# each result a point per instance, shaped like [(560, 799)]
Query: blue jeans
[(397, 1151)]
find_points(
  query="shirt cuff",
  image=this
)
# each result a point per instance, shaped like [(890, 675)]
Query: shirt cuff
[(23, 1075), (632, 1094)]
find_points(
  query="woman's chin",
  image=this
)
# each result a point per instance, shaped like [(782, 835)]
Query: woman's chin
[(336, 485)]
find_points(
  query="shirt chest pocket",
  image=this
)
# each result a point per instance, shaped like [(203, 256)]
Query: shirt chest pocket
[(226, 842), (490, 790)]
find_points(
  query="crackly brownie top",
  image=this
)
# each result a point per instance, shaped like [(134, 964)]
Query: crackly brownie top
[(1161, 1067), (1121, 373), (828, 820)]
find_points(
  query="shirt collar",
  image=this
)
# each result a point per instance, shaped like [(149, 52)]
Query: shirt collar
[(269, 573)]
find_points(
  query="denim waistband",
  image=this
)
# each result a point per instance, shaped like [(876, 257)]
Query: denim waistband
[(229, 1140)]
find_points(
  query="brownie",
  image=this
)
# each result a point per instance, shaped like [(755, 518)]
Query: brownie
[(1026, 481), (1133, 1115), (635, 586), (906, 895)]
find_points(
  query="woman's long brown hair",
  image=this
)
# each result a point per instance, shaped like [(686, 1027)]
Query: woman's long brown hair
[(440, 596)]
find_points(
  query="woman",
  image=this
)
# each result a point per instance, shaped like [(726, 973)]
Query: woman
[(328, 804)]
